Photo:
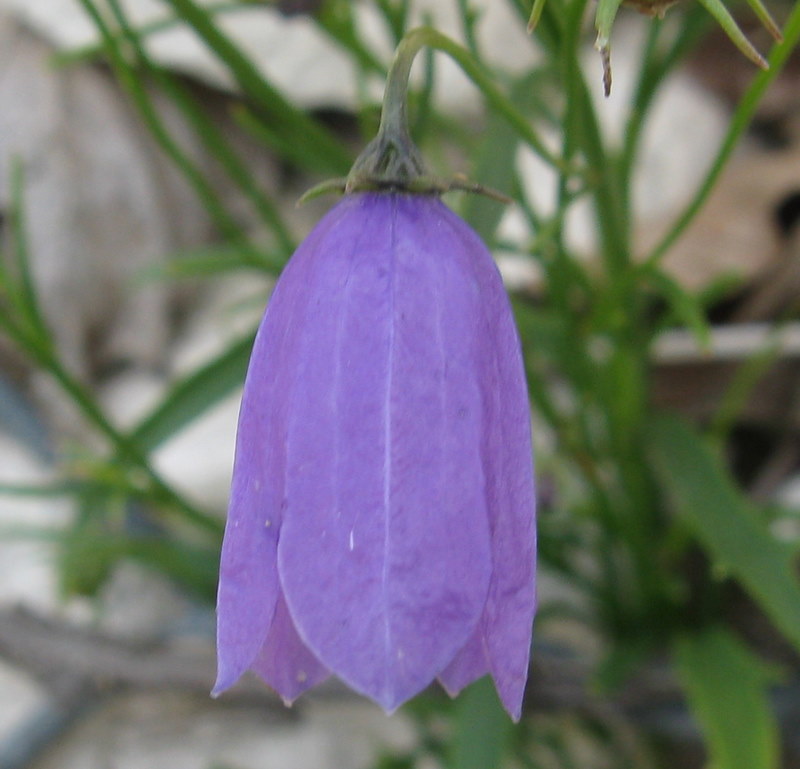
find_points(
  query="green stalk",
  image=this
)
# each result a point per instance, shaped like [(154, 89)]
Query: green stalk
[(427, 37), (23, 296), (42, 352), (655, 67)]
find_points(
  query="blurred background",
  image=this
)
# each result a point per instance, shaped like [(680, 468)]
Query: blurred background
[(151, 156)]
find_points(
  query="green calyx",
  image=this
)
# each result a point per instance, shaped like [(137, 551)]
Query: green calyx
[(391, 162)]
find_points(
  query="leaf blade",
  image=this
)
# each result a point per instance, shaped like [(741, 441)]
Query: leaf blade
[(726, 687), (707, 500)]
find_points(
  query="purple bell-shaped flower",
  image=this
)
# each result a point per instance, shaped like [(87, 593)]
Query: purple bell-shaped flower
[(381, 522)]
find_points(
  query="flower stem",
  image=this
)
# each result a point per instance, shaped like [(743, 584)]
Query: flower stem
[(391, 160)]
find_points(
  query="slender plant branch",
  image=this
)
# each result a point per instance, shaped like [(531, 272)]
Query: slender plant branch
[(428, 37)]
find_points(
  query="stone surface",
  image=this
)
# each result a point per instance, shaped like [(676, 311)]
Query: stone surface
[(298, 58), (168, 732)]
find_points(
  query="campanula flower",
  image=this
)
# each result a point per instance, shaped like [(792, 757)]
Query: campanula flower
[(381, 522)]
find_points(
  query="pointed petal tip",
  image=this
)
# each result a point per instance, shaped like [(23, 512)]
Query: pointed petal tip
[(226, 677), (512, 705), (390, 707), (389, 700), (513, 702), (511, 698), (450, 691)]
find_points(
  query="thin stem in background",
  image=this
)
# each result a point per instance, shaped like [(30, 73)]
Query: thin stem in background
[(431, 38), (468, 18), (141, 99), (269, 103), (214, 141), (655, 67), (741, 119), (33, 337), (148, 29)]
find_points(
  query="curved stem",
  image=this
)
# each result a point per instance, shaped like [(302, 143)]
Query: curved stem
[(394, 110)]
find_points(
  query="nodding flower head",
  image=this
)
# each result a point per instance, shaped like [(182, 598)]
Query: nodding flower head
[(381, 522)]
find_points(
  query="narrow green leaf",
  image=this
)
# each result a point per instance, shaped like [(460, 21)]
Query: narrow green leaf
[(536, 14), (717, 514), (41, 490), (604, 21), (684, 305), (338, 22), (496, 160), (766, 19), (193, 396), (208, 262), (726, 687), (483, 729), (723, 16), (21, 288)]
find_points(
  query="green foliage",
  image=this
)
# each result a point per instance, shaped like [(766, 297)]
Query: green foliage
[(722, 521), (482, 729), (727, 688), (636, 495), (193, 395)]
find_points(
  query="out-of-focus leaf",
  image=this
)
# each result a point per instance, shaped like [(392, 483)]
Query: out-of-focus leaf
[(495, 161), (337, 20), (16, 278), (685, 306), (133, 84), (215, 143), (86, 553), (717, 514), (482, 729), (89, 553), (321, 149), (193, 395), (726, 686), (207, 262), (191, 566), (40, 490)]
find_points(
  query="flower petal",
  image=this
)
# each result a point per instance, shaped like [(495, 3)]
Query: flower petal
[(284, 662), (468, 666), (384, 555), (248, 582), (508, 455)]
